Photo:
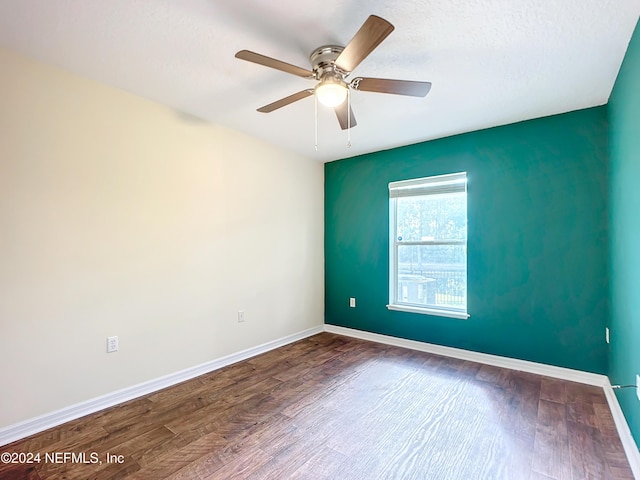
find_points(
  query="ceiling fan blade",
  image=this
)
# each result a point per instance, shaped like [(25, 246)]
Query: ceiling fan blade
[(343, 112), (286, 101), (397, 87), (371, 34), (273, 63)]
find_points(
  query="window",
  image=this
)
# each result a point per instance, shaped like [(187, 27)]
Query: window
[(428, 245)]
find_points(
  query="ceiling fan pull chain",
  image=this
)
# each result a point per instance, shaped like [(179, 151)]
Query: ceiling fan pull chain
[(348, 118), (315, 103)]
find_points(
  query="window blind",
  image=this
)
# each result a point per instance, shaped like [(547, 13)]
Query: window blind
[(450, 183)]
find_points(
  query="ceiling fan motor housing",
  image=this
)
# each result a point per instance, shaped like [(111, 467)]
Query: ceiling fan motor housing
[(323, 62)]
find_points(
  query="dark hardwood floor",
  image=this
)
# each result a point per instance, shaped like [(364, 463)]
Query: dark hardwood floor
[(333, 407)]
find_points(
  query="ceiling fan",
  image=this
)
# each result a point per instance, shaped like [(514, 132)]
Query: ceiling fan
[(330, 67)]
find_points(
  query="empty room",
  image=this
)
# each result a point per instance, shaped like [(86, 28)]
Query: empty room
[(319, 240)]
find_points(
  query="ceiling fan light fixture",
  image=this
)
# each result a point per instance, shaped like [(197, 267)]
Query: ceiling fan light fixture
[(331, 93)]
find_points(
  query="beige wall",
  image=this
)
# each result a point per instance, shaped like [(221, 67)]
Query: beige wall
[(118, 216)]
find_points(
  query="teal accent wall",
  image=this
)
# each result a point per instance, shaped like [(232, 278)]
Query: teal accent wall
[(624, 115), (538, 284)]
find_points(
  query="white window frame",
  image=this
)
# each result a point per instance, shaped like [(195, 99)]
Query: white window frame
[(450, 183)]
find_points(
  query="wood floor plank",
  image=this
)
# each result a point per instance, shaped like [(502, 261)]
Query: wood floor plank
[(539, 476), (551, 455), (553, 390), (320, 465), (333, 407), (242, 466), (172, 460), (612, 446), (586, 459), (580, 403)]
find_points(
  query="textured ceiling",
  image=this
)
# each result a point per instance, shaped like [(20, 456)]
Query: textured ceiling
[(491, 62)]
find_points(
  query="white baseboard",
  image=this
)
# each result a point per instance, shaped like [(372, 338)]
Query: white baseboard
[(629, 444), (630, 447), (488, 359), (35, 425)]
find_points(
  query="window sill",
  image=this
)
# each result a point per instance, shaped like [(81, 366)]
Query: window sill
[(428, 311)]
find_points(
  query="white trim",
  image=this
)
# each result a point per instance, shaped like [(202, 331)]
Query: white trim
[(38, 424), (488, 359), (429, 311), (628, 443), (452, 183)]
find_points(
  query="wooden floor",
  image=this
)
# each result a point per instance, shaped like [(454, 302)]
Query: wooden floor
[(332, 407)]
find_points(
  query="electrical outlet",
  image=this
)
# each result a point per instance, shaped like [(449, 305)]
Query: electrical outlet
[(240, 316), (352, 302), (638, 386), (606, 335), (112, 344)]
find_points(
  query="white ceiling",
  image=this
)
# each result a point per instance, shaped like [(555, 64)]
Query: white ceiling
[(491, 62)]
